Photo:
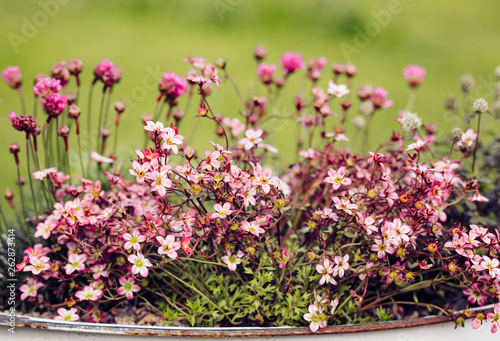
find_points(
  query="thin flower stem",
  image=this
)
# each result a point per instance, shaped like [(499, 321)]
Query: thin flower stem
[(21, 192), (23, 102), (235, 87), (30, 177), (477, 143), (89, 120), (99, 125), (80, 155), (411, 99)]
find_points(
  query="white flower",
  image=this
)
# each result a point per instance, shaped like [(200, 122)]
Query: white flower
[(480, 105), (337, 90), (410, 121)]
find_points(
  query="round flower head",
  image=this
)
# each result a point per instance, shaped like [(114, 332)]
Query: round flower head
[(61, 72), (108, 73), (410, 121), (291, 62), (12, 76), (266, 72), (55, 104), (172, 85), (466, 83), (414, 75), (480, 106)]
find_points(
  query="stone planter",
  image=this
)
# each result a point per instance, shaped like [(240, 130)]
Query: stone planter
[(426, 329)]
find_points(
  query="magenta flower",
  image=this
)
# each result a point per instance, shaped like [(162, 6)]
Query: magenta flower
[(222, 211), (172, 85), (127, 287), (76, 262), (475, 295), (38, 264), (108, 73), (253, 227), (168, 246), (30, 289), (55, 104), (414, 75), (89, 294), (232, 260), (134, 240), (46, 87), (266, 72), (337, 178), (285, 257), (12, 76), (379, 98), (291, 62), (140, 264)]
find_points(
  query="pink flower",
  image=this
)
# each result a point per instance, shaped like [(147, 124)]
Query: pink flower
[(134, 240), (248, 193), (382, 248), (30, 289), (38, 264), (416, 146), (475, 295), (251, 139), (232, 260), (168, 246), (185, 245), (263, 178), (342, 264), (345, 205), (76, 262), (337, 178), (140, 264), (266, 72), (253, 227), (337, 90), (316, 316), (211, 160), (379, 98), (222, 211), (44, 229), (156, 128), (99, 271), (326, 271), (40, 175), (494, 317), (89, 293), (46, 87), (108, 73), (492, 265), (468, 138), (12, 76), (55, 104), (100, 158), (172, 85), (160, 181), (414, 75), (285, 257), (291, 62), (127, 287), (172, 140), (139, 171), (67, 315)]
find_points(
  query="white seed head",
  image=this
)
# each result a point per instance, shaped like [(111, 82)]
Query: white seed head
[(456, 134), (410, 121), (359, 122), (466, 83), (366, 108), (480, 105)]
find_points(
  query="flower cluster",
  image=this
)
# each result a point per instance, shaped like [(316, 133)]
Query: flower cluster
[(224, 237)]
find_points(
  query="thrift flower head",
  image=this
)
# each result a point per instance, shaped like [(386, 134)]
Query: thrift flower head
[(414, 75), (172, 85), (480, 105), (410, 121), (12, 76), (266, 72), (291, 62), (379, 98), (108, 73)]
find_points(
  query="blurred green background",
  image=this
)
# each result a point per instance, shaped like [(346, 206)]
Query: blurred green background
[(149, 37)]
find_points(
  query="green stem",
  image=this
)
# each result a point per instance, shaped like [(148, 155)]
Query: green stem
[(23, 102), (30, 177), (477, 142), (89, 119)]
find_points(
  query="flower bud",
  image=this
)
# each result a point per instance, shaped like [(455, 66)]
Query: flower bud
[(63, 131), (338, 68), (178, 114), (104, 133), (350, 70), (221, 63), (206, 89), (73, 111), (280, 82), (146, 117), (75, 66), (466, 83), (9, 195), (359, 122), (259, 52), (119, 107), (452, 103), (456, 134), (20, 181), (14, 148), (71, 97)]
